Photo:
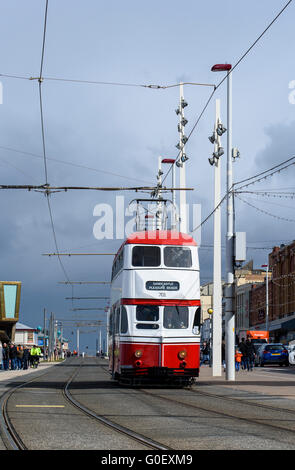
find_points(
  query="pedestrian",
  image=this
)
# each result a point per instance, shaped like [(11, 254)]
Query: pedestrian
[(35, 354), (238, 359), (1, 356), (26, 358), (223, 355), (19, 357), (250, 354), (243, 350), (13, 356), (205, 350), (5, 355)]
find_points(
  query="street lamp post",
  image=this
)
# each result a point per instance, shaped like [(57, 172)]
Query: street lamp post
[(217, 294), (229, 309), (266, 295)]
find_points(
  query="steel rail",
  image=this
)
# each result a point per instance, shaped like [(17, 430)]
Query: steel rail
[(122, 429)]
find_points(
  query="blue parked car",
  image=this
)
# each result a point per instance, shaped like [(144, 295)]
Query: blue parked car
[(273, 353)]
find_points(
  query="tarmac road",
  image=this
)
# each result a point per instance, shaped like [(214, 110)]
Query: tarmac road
[(256, 411)]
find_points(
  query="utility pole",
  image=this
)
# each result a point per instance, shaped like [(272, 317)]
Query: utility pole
[(159, 214), (230, 264), (217, 292), (181, 164), (230, 261), (267, 301), (78, 342), (44, 333)]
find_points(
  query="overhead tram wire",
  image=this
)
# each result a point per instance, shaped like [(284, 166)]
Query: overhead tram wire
[(47, 191), (225, 77), (257, 178)]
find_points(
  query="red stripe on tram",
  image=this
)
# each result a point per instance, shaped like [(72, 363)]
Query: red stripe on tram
[(165, 302)]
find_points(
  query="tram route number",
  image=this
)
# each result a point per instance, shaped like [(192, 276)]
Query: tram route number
[(162, 285)]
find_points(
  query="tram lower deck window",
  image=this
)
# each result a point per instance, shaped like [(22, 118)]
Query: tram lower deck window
[(146, 256), (177, 257)]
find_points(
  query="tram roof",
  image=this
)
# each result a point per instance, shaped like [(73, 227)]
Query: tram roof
[(160, 237)]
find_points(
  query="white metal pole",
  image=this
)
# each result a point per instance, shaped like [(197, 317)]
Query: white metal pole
[(182, 178), (78, 341), (267, 301), (229, 313), (217, 294), (159, 214), (174, 212)]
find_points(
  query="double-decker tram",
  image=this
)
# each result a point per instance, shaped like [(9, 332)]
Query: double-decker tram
[(154, 317)]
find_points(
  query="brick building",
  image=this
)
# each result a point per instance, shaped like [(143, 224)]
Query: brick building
[(281, 296)]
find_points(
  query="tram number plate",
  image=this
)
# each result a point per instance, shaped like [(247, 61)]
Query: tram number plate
[(162, 285)]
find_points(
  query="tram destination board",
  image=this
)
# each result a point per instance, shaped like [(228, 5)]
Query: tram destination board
[(162, 285)]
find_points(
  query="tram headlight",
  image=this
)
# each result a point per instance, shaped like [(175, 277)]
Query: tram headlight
[(138, 353), (182, 354)]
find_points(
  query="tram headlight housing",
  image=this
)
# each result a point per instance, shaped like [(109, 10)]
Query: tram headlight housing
[(138, 353), (182, 354)]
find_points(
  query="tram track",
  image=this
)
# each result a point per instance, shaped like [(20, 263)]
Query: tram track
[(236, 416), (121, 429), (12, 439)]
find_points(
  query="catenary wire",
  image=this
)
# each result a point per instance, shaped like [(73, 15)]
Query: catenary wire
[(224, 78)]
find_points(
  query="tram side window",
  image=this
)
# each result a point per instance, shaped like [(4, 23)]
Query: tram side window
[(197, 321), (175, 317), (147, 313), (146, 256), (117, 320), (111, 324), (124, 320), (177, 257), (118, 264)]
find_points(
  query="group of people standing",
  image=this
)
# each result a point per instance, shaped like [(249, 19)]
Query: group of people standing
[(19, 357), (245, 355)]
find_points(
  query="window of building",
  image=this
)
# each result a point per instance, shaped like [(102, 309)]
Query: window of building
[(177, 257), (146, 256)]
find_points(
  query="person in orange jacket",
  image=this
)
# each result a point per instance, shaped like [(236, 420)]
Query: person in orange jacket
[(238, 359)]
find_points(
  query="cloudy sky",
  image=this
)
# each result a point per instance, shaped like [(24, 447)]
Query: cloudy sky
[(112, 135)]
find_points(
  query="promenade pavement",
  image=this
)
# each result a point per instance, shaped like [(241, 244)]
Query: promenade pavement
[(274, 380), (17, 374)]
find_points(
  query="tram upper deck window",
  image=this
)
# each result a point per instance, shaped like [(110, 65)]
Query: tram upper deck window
[(146, 256), (175, 317), (177, 257)]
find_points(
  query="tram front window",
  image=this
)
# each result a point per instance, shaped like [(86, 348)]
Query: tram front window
[(146, 256), (147, 313), (175, 317), (177, 257)]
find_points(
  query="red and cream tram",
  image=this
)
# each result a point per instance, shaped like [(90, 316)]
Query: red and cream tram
[(154, 318)]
